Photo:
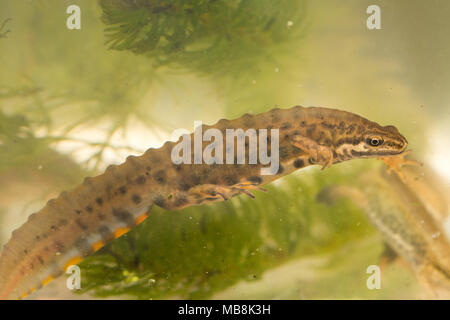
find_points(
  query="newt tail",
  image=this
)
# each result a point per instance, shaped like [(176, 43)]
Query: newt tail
[(81, 221)]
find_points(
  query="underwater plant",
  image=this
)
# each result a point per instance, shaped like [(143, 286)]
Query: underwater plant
[(207, 37)]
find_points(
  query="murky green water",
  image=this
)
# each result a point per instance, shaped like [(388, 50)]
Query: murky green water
[(70, 104)]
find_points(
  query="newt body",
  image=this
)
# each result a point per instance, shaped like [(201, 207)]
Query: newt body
[(79, 222)]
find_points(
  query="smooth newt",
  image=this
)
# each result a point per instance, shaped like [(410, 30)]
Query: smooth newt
[(409, 211), (79, 222)]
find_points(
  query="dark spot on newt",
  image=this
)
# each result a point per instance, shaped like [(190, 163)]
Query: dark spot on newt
[(180, 201), (230, 180), (123, 190), (352, 141), (99, 201), (105, 232), (350, 129), (160, 201), (81, 224), (136, 198), (299, 163), (283, 152), (327, 125), (255, 179), (160, 176), (184, 185), (140, 180), (89, 209), (123, 215), (296, 150)]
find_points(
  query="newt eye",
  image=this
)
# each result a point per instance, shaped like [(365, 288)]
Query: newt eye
[(374, 141)]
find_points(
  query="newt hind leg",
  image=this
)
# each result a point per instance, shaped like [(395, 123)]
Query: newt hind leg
[(218, 192)]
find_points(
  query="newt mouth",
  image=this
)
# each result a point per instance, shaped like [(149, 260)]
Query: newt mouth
[(404, 144)]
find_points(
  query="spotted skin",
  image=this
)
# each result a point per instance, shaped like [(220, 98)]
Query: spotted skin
[(81, 221)]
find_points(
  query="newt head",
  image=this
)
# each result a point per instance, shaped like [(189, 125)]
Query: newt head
[(350, 136), (383, 141), (371, 141)]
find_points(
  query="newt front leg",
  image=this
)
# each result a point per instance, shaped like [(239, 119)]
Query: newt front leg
[(321, 154), (395, 163)]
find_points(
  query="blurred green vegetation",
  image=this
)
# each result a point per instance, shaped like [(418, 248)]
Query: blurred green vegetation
[(213, 38)]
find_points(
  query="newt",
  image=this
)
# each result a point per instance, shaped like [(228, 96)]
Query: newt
[(79, 222), (409, 211)]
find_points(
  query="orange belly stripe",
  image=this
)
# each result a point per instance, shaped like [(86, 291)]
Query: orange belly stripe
[(120, 232), (141, 218)]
